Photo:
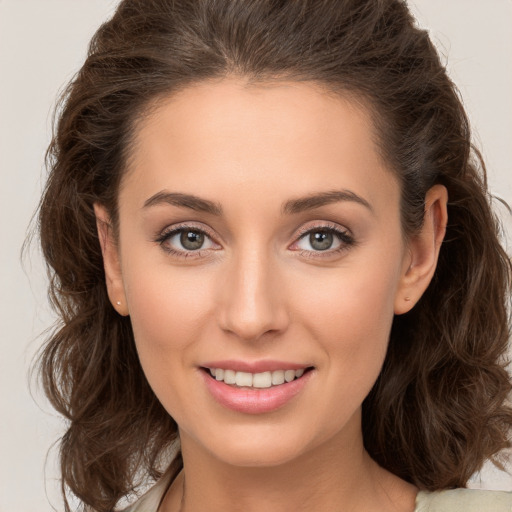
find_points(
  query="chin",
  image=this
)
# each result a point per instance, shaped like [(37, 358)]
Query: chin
[(255, 449), (259, 456)]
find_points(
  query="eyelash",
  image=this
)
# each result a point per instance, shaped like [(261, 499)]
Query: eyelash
[(346, 240), (167, 234)]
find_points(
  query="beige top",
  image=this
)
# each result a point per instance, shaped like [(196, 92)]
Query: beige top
[(464, 500), (456, 500)]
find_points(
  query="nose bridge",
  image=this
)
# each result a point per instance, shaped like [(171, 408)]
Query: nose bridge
[(252, 303)]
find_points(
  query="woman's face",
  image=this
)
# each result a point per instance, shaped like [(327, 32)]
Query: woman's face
[(260, 232)]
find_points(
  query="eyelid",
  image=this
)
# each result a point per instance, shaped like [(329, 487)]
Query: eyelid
[(180, 226), (344, 235), (167, 233), (319, 225)]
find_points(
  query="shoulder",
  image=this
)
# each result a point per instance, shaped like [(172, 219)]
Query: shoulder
[(150, 501), (464, 500)]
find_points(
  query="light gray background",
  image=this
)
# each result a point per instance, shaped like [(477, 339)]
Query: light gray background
[(42, 43)]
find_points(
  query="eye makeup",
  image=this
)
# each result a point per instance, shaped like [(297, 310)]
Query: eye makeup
[(190, 240)]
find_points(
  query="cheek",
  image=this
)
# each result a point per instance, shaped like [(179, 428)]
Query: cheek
[(351, 300), (167, 310), (351, 316)]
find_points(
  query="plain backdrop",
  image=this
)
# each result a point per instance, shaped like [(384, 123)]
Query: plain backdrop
[(42, 44)]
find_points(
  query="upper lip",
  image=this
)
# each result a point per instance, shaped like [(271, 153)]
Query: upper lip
[(254, 366)]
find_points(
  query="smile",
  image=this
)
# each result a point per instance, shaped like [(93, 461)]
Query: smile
[(255, 380), (255, 393)]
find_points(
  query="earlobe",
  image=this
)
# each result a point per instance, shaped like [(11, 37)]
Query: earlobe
[(423, 251), (111, 260)]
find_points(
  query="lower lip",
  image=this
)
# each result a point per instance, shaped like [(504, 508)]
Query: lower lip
[(253, 400)]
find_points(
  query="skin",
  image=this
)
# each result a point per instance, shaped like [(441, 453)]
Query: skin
[(259, 290)]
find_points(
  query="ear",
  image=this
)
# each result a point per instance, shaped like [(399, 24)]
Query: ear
[(111, 260), (423, 251)]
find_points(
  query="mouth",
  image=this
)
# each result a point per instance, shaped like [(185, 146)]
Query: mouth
[(262, 380)]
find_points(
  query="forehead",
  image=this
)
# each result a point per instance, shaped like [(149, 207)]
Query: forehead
[(284, 136)]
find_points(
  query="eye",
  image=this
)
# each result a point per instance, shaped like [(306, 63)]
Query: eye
[(184, 241), (328, 239), (189, 240), (320, 240)]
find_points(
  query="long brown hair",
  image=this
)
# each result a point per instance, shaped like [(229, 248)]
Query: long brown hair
[(439, 408)]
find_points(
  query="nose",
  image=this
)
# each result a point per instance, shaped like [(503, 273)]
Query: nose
[(252, 302)]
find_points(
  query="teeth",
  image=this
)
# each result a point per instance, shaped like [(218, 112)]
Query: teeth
[(289, 375), (229, 377), (243, 379), (278, 377), (255, 380), (262, 380)]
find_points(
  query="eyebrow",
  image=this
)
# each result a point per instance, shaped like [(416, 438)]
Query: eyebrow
[(322, 199), (291, 207), (184, 201)]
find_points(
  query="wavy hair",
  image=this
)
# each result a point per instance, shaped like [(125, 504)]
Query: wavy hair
[(439, 408)]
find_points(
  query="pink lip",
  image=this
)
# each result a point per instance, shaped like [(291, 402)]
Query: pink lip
[(251, 400), (255, 366)]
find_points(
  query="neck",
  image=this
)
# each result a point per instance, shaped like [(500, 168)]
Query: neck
[(336, 475)]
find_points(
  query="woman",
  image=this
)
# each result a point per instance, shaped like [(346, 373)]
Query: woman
[(279, 276)]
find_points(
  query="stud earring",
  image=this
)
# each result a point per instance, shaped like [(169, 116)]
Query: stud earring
[(118, 302)]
